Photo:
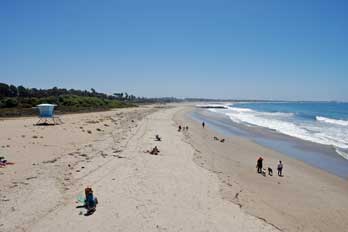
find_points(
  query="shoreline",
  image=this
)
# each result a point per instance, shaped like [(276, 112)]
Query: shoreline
[(305, 199), (320, 156)]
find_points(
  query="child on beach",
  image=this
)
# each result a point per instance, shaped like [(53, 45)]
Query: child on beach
[(280, 168)]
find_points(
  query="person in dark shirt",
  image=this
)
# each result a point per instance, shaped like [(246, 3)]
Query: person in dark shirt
[(259, 165), (91, 201), (280, 168)]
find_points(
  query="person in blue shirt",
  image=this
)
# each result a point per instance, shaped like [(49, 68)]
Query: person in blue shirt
[(91, 201)]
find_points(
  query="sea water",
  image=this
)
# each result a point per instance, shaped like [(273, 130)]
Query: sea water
[(320, 122)]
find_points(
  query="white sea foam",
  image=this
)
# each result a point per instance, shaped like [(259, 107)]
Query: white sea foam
[(342, 153), (332, 121), (315, 131), (240, 109)]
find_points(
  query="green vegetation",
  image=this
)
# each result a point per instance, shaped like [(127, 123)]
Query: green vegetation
[(19, 101)]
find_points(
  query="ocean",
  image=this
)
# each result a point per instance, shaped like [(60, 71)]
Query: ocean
[(315, 132)]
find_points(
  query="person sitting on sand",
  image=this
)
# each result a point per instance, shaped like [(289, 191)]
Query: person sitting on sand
[(259, 165), (154, 151), (158, 138), (216, 138), (4, 162), (179, 128), (90, 201), (222, 140), (280, 168)]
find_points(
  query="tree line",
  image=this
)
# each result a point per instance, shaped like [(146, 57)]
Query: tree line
[(22, 92), (19, 100)]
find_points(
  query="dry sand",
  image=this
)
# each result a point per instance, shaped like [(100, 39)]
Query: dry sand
[(136, 191), (50, 161), (305, 199), (142, 192)]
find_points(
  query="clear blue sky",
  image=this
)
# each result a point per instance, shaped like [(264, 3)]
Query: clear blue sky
[(261, 49)]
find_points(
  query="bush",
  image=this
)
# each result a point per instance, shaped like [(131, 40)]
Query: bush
[(10, 102), (65, 103)]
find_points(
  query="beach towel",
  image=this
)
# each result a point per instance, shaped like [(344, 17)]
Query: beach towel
[(81, 199)]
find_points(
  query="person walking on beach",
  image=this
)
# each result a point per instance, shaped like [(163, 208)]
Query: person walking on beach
[(259, 165), (280, 168), (203, 124)]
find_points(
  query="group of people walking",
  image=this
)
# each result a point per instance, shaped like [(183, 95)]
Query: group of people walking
[(183, 128), (261, 170)]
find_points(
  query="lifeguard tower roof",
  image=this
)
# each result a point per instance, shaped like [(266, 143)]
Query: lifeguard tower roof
[(46, 104)]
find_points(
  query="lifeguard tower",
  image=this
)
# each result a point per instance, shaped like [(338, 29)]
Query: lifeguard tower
[(46, 115)]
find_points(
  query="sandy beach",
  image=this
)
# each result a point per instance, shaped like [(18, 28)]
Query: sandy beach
[(304, 199), (52, 161), (194, 184)]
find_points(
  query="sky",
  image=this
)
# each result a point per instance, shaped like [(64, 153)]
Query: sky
[(261, 49)]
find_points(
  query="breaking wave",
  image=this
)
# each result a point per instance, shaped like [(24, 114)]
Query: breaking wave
[(332, 121), (322, 130)]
